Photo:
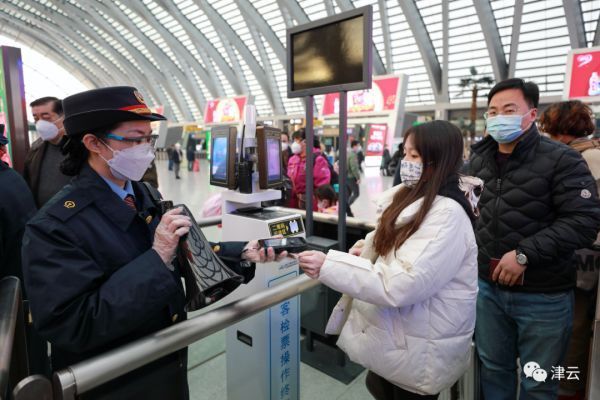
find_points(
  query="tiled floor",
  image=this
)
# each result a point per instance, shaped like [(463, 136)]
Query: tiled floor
[(207, 377)]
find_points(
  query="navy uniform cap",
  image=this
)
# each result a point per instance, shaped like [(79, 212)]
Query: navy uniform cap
[(102, 107)]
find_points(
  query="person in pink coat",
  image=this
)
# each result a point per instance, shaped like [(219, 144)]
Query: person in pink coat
[(297, 172)]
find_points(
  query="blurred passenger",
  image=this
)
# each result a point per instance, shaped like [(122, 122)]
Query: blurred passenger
[(297, 172), (540, 204), (327, 201), (353, 172), (99, 258), (42, 163), (571, 122), (286, 152), (410, 288), (386, 158), (16, 208), (360, 157), (395, 164), (151, 175), (177, 157), (190, 154), (170, 151)]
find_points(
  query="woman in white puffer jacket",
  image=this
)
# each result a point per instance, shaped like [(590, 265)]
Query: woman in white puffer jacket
[(410, 288)]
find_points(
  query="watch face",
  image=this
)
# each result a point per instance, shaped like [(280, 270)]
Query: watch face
[(521, 258)]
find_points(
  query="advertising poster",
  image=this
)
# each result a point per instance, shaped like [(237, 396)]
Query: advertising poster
[(376, 139), (4, 111), (224, 111), (380, 98), (583, 75)]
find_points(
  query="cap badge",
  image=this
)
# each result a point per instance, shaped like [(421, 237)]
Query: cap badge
[(139, 97)]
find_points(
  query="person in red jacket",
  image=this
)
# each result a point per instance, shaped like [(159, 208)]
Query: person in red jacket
[(297, 173)]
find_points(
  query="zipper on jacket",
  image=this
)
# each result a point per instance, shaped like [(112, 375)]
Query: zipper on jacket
[(498, 192)]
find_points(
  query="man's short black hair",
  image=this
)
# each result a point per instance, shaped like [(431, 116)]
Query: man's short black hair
[(530, 90), (354, 143), (57, 107)]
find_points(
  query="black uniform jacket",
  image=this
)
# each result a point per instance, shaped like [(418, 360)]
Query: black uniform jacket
[(16, 208), (95, 284)]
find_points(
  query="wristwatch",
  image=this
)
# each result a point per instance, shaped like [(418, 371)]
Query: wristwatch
[(521, 257)]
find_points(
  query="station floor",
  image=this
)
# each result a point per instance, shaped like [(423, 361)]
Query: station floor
[(206, 364)]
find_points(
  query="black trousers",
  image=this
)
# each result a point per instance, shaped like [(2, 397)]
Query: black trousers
[(353, 190), (382, 389)]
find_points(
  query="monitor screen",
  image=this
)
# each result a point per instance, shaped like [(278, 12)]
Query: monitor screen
[(330, 55), (219, 158), (274, 159)]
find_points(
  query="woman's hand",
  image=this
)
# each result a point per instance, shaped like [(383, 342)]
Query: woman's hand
[(311, 262), (357, 249), (253, 252)]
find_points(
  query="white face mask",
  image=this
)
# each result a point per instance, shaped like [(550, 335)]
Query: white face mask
[(410, 172), (296, 148), (46, 130), (130, 163), (284, 146)]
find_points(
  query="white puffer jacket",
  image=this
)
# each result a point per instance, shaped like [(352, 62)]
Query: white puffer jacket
[(413, 310)]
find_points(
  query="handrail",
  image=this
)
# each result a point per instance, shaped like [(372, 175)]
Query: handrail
[(88, 374), (208, 221), (351, 222), (10, 303)]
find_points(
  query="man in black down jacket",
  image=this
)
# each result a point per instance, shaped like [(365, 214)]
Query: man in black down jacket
[(539, 205)]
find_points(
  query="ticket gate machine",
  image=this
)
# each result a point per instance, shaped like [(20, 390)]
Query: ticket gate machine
[(262, 352)]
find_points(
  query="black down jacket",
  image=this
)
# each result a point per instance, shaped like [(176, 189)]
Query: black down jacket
[(544, 203)]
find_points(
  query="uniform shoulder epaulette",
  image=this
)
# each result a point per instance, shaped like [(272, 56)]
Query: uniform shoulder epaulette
[(65, 206)]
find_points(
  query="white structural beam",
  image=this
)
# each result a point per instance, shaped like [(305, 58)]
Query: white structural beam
[(165, 80), (291, 9), (167, 64), (489, 27), (329, 7), (50, 31), (279, 108), (432, 64), (212, 84), (254, 19), (378, 67), (575, 25), (221, 26), (387, 42), (515, 38), (139, 79), (445, 50), (597, 33), (37, 40), (205, 47)]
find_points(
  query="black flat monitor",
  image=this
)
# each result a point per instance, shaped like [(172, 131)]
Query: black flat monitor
[(223, 156), (332, 54), (268, 151)]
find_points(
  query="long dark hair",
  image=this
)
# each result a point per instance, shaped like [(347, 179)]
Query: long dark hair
[(440, 145), (76, 153)]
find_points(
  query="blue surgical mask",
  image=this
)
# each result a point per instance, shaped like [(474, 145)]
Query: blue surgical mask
[(505, 128)]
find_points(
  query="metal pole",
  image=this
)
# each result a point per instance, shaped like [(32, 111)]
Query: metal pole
[(309, 164), (10, 299), (343, 174), (84, 376)]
